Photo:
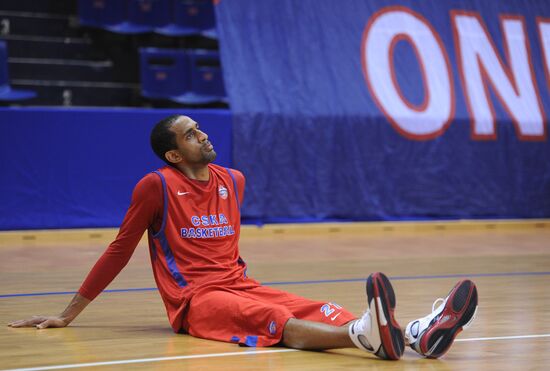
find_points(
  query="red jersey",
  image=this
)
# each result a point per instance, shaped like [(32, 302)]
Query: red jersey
[(193, 230)]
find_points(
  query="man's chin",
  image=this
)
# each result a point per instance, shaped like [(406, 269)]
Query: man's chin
[(210, 157)]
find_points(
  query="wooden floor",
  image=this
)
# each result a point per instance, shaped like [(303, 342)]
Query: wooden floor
[(510, 263)]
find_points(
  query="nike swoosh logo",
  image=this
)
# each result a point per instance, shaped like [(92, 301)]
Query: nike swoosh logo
[(182, 193), (336, 316)]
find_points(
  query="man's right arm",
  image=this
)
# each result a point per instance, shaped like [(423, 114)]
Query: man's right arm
[(144, 211)]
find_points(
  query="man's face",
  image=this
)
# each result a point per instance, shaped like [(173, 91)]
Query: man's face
[(193, 146)]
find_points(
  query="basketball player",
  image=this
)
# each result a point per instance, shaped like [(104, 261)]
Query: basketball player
[(191, 210)]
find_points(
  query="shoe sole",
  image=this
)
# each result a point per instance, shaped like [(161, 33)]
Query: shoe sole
[(457, 314), (380, 289)]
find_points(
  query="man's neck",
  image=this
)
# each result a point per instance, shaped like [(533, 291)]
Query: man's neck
[(200, 172)]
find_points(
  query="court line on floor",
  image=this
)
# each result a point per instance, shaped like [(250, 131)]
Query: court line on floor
[(148, 360), (506, 337), (309, 282), (229, 354)]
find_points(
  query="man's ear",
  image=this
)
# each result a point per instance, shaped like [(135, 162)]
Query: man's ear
[(173, 156)]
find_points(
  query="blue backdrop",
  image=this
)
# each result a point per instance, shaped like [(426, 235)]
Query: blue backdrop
[(73, 168), (315, 146)]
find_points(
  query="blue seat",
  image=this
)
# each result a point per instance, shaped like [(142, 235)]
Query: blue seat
[(144, 16), (191, 17), (193, 77), (7, 93), (125, 16), (101, 13), (207, 84), (164, 73)]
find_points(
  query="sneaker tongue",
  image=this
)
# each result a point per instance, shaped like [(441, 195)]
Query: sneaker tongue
[(359, 326), (363, 326), (366, 322)]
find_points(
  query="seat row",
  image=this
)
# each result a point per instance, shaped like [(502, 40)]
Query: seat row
[(191, 77), (165, 17), (7, 93)]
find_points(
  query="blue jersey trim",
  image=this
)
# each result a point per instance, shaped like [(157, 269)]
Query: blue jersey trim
[(170, 261), (165, 203), (235, 187), (242, 262), (161, 236), (251, 341), (153, 249)]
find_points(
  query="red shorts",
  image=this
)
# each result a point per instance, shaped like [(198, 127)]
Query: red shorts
[(254, 316)]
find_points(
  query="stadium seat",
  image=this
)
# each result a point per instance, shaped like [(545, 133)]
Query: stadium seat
[(125, 16), (144, 16), (206, 78), (7, 93), (164, 73), (101, 13), (193, 77), (191, 17)]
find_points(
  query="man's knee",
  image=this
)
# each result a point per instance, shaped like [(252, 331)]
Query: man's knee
[(292, 334)]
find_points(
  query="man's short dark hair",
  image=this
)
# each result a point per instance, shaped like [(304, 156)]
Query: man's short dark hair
[(162, 138)]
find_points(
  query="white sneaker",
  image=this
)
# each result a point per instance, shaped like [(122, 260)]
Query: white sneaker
[(377, 331), (433, 335)]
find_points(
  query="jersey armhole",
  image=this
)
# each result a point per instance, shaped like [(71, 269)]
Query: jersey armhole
[(165, 204), (235, 187)]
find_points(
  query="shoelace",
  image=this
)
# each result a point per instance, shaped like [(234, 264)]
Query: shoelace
[(438, 300)]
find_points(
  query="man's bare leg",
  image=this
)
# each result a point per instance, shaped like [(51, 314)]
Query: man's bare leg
[(301, 334)]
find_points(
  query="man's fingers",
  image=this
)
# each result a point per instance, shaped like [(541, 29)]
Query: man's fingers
[(19, 323), (51, 322), (39, 322), (47, 323), (44, 324), (25, 322)]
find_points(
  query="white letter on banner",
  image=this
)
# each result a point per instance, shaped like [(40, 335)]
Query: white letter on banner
[(544, 37), (384, 30), (515, 87)]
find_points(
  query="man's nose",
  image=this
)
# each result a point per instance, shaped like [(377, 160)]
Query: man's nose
[(202, 136)]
